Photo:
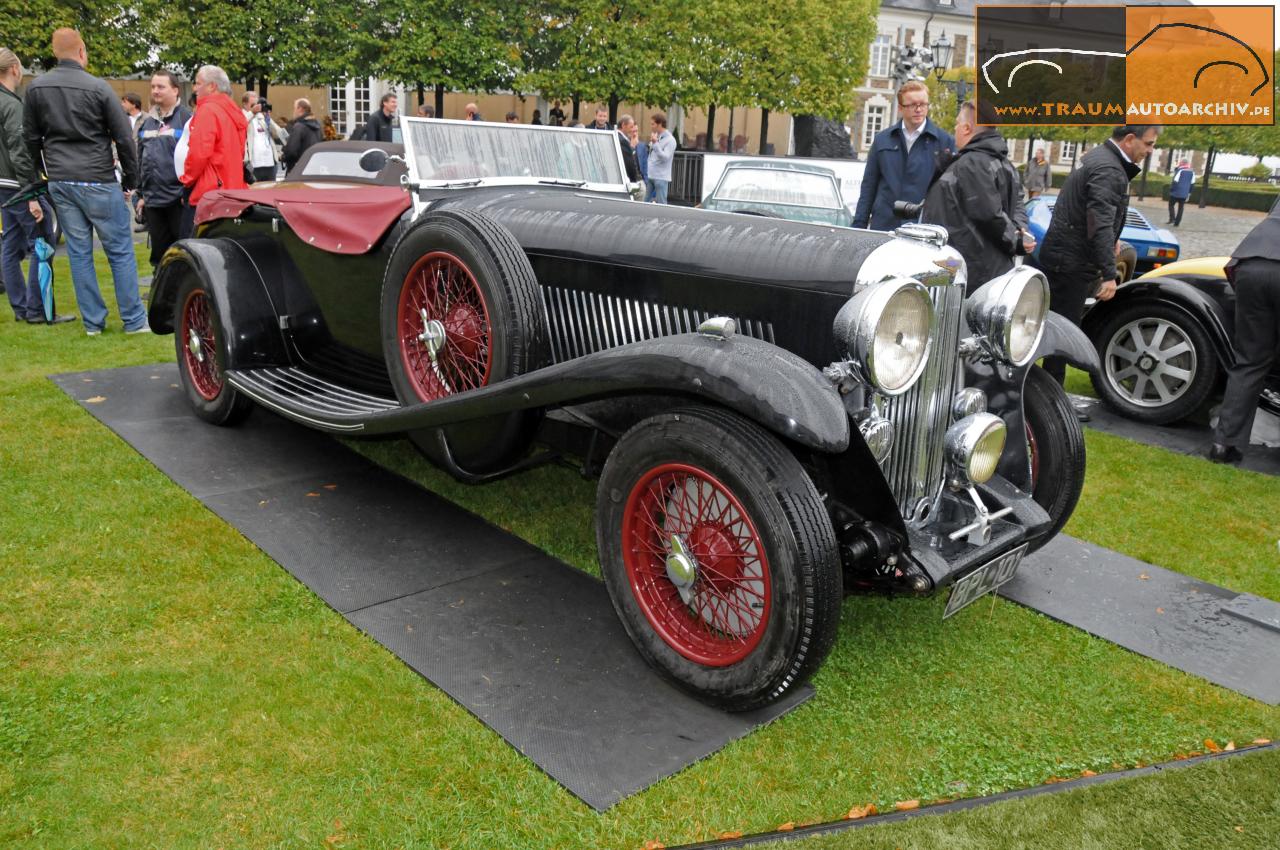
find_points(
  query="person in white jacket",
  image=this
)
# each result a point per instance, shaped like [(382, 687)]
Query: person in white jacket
[(260, 152), (662, 150)]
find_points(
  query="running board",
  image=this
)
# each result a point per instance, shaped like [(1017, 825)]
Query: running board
[(764, 383), (311, 400)]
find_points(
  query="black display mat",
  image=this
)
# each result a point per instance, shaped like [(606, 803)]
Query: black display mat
[(1183, 437), (526, 643), (1228, 638)]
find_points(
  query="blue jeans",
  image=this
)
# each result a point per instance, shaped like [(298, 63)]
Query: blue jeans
[(19, 234), (657, 190), (82, 209)]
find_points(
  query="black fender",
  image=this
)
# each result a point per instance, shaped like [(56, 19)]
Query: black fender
[(1198, 306), (766, 384), (1063, 339), (252, 335)]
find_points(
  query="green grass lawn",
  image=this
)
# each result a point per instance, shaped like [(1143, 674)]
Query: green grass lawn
[(165, 684)]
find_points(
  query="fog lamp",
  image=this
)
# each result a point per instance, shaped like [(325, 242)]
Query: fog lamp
[(973, 448)]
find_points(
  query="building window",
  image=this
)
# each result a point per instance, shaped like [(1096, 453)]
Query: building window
[(873, 118), (338, 108), (1066, 152), (360, 101), (881, 52)]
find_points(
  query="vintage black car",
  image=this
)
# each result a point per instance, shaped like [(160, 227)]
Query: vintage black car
[(1164, 342), (778, 411)]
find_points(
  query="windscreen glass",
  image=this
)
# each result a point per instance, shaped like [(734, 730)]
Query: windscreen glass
[(476, 150)]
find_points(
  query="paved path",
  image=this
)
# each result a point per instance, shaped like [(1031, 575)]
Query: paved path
[(1208, 232)]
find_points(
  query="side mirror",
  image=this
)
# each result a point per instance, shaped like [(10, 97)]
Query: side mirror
[(373, 160)]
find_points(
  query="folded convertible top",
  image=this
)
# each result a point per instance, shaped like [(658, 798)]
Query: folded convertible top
[(341, 219)]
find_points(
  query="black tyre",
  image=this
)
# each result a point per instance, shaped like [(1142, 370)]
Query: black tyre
[(719, 556), (1126, 261), (1055, 442), (198, 337), (1158, 365), (461, 309)]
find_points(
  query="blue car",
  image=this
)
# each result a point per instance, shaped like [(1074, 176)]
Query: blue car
[(1152, 246)]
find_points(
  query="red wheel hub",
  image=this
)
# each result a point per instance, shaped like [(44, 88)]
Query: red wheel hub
[(696, 564), (200, 346), (443, 327)]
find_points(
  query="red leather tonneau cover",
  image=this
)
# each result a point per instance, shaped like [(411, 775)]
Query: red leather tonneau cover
[(341, 219)]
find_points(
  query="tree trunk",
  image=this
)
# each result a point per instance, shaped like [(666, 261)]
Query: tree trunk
[(709, 142), (1204, 181), (262, 87), (613, 109), (439, 100), (728, 145), (422, 94), (764, 132), (577, 106)]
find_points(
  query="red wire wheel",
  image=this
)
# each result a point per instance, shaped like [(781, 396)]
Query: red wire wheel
[(676, 508), (441, 305), (200, 345)]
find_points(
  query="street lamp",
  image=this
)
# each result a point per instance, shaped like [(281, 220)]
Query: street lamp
[(941, 50)]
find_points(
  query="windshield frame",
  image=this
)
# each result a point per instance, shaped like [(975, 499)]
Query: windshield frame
[(416, 180)]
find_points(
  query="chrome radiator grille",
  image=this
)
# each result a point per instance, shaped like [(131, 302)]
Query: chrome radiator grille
[(586, 322), (921, 415)]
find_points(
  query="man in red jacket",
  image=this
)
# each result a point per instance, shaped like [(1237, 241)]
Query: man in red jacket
[(215, 153)]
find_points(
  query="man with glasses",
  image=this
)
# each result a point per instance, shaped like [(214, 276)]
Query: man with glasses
[(901, 162), (1079, 250)]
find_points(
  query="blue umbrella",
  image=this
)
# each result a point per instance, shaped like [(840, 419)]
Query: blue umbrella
[(43, 255)]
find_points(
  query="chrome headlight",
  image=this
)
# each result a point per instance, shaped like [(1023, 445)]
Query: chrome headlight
[(1008, 312), (885, 329), (973, 446)]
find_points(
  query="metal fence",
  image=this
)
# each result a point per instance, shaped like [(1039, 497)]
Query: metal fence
[(686, 179)]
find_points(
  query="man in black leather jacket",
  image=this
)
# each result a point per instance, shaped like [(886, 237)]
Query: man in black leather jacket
[(1079, 249), (71, 120), (978, 199)]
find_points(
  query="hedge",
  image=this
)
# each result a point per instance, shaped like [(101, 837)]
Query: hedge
[(1235, 199)]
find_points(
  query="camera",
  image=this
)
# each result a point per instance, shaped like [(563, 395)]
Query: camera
[(266, 105)]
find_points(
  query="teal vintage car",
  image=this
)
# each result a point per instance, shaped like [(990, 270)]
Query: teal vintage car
[(790, 190)]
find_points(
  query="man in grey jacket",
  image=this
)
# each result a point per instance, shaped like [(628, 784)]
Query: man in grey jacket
[(1038, 178), (71, 120), (662, 150), (25, 220)]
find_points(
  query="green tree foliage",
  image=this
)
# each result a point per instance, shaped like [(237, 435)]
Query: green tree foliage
[(469, 45), (117, 33)]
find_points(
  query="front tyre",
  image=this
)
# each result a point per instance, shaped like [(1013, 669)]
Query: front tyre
[(198, 338), (719, 556), (1055, 443)]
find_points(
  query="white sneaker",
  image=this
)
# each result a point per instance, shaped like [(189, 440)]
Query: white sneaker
[(145, 329)]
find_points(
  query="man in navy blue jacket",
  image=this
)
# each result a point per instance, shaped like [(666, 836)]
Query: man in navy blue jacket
[(901, 162)]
